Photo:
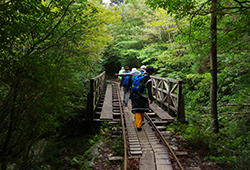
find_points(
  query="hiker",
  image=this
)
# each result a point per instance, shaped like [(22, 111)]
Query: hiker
[(124, 84), (142, 68), (141, 96), (135, 72), (121, 71)]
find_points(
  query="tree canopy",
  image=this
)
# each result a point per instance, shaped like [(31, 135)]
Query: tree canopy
[(49, 51)]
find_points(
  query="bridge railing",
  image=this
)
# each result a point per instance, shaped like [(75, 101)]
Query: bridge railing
[(96, 88), (168, 92)]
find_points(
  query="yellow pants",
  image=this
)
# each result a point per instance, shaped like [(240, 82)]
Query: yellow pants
[(139, 119)]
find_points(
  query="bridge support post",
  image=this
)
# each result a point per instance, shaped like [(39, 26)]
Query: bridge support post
[(181, 108), (90, 104)]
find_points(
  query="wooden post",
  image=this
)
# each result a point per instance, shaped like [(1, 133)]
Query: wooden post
[(162, 88), (169, 99), (156, 89), (91, 101), (181, 109)]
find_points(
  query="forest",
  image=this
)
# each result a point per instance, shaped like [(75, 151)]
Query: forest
[(50, 49)]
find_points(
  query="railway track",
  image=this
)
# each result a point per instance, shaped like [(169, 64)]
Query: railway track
[(149, 145)]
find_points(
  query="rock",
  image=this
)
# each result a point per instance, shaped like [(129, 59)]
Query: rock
[(193, 168), (114, 128), (173, 140), (67, 158), (181, 153), (91, 164), (94, 150), (174, 148)]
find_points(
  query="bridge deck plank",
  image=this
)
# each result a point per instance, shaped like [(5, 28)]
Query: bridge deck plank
[(161, 113), (147, 161), (107, 112)]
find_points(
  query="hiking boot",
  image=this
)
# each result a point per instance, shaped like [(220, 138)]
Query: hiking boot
[(139, 129), (143, 124)]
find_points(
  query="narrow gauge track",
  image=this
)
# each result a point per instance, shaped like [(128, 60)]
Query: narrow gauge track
[(163, 140), (117, 98)]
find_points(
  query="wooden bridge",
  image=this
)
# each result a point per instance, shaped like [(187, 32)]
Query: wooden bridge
[(169, 100), (152, 151)]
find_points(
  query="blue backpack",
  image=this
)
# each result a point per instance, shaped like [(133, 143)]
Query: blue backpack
[(125, 80), (133, 78), (138, 83)]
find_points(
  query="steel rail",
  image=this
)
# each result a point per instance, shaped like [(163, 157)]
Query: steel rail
[(164, 141), (123, 130)]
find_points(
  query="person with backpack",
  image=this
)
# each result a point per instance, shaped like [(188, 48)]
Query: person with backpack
[(141, 95), (121, 71), (135, 72), (124, 84)]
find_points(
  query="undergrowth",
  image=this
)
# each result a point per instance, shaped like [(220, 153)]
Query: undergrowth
[(229, 148), (110, 141)]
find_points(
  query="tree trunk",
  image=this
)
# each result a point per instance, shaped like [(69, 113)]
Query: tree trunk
[(213, 60)]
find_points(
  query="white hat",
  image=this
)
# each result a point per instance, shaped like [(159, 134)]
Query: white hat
[(134, 70), (143, 67)]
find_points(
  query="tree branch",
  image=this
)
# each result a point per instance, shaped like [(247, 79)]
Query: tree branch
[(93, 64), (31, 30), (222, 147), (46, 37), (57, 41), (241, 3)]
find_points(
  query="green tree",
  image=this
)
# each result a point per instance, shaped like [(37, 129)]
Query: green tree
[(197, 13), (49, 50), (130, 37)]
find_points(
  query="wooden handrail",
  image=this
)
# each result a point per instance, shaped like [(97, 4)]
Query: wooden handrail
[(168, 92), (96, 87)]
